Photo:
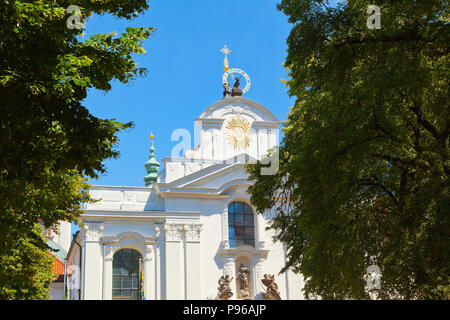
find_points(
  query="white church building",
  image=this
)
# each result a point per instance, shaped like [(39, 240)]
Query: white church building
[(190, 232)]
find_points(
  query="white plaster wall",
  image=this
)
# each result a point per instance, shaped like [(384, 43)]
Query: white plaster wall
[(183, 262), (125, 198), (211, 239), (57, 291), (62, 237)]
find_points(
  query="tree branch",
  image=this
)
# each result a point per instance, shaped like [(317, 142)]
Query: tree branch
[(375, 182), (424, 122)]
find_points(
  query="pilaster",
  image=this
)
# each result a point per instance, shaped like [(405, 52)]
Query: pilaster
[(92, 256), (229, 269), (193, 279)]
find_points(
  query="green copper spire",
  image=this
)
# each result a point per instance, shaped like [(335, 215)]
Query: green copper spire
[(151, 166)]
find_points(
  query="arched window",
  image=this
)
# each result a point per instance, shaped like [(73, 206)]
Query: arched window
[(126, 266), (241, 225)]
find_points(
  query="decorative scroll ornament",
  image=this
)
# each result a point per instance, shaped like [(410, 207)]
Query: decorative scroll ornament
[(110, 249), (272, 292), (244, 280), (238, 133), (148, 253), (92, 232), (224, 287)]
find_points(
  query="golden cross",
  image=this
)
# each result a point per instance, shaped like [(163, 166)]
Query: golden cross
[(225, 51)]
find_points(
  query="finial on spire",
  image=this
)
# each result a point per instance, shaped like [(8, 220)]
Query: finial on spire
[(225, 51), (151, 166)]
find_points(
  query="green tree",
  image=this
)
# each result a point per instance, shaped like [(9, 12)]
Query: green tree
[(364, 163), (49, 142), (26, 272)]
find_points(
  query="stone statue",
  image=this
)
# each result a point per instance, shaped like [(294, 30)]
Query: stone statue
[(272, 292), (237, 83), (226, 91), (237, 91), (224, 287), (243, 277)]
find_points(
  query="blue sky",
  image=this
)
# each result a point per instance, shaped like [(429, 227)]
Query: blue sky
[(185, 72)]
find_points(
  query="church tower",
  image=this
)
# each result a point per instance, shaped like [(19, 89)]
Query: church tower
[(151, 166)]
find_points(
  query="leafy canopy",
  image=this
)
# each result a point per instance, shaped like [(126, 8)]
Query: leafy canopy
[(49, 141), (364, 163)]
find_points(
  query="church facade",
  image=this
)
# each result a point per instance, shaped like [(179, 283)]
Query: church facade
[(191, 231)]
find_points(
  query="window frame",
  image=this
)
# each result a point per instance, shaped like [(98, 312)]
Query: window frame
[(133, 275), (239, 213)]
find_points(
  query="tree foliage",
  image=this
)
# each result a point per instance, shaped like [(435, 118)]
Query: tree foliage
[(49, 141), (26, 271), (364, 163)]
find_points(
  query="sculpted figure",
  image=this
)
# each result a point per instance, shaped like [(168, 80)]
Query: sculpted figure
[(224, 287), (243, 277), (237, 91), (237, 83), (272, 292)]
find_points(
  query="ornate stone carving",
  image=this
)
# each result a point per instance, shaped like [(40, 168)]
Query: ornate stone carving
[(92, 232), (128, 196), (173, 231), (244, 281), (225, 292), (228, 268), (148, 253), (258, 269), (272, 292), (157, 230), (110, 249), (193, 232)]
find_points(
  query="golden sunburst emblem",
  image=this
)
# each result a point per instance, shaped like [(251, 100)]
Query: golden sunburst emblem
[(238, 133)]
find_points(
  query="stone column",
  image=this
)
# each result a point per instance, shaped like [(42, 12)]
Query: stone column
[(93, 256), (193, 281)]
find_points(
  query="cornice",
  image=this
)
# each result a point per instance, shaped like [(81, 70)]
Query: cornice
[(272, 124), (139, 215), (210, 120), (243, 250), (197, 195)]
